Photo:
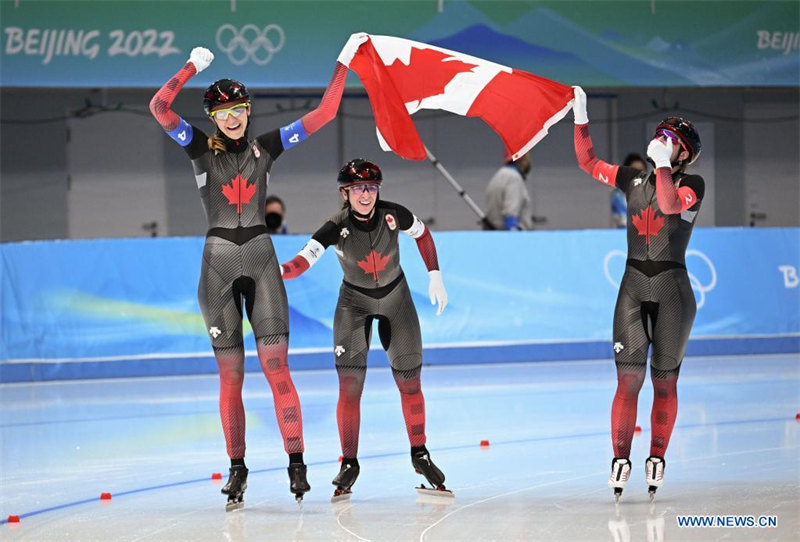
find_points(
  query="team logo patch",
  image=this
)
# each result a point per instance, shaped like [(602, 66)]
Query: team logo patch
[(391, 222), (344, 233), (618, 347), (339, 350), (214, 331)]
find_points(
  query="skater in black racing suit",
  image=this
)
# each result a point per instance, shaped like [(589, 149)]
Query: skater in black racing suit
[(239, 263), (656, 306), (364, 236)]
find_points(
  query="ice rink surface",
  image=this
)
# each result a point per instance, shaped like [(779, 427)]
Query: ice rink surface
[(154, 444)]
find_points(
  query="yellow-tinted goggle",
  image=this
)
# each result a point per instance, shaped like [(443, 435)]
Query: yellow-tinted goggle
[(236, 111)]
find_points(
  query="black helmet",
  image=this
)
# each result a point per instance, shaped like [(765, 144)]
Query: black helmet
[(222, 92), (359, 171), (689, 138)]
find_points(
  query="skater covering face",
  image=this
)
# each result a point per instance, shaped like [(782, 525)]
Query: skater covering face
[(656, 306), (238, 276), (365, 235)]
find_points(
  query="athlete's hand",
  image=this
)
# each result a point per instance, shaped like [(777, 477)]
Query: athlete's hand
[(350, 48), (201, 58), (579, 106), (436, 290), (660, 152)]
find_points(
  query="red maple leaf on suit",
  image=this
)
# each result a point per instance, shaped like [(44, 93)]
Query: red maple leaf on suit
[(426, 74), (373, 263), (238, 192), (647, 223)]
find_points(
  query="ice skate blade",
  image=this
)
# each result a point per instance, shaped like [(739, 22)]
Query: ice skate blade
[(299, 497), (439, 493), (652, 491), (234, 505)]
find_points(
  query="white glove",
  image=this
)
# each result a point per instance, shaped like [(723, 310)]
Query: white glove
[(579, 106), (201, 58), (660, 152), (436, 290), (350, 48)]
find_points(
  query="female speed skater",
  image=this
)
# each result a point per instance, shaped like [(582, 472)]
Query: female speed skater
[(239, 263), (655, 307), (365, 236)]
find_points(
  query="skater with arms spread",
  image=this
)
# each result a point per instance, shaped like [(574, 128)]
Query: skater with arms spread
[(365, 236), (239, 263), (655, 307)]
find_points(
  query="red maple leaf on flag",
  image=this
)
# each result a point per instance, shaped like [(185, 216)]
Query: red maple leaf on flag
[(647, 223), (373, 263), (427, 73), (238, 192)]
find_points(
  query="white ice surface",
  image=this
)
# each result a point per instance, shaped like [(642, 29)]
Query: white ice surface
[(153, 444)]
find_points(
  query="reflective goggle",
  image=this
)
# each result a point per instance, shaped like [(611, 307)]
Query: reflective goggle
[(362, 188), (668, 134), (236, 111)]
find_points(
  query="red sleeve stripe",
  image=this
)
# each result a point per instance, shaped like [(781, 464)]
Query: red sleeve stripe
[(687, 196), (667, 193), (162, 101), (427, 250), (605, 173), (329, 105), (584, 150), (295, 267)]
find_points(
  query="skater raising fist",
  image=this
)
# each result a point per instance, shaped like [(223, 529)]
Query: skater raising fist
[(239, 263), (656, 307), (365, 236), (201, 58)]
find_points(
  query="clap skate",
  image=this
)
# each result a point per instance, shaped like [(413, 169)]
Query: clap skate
[(234, 489), (421, 460), (298, 484), (348, 474), (620, 472), (654, 469)]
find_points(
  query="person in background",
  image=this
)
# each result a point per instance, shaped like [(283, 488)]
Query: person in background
[(508, 203), (619, 206), (274, 213)]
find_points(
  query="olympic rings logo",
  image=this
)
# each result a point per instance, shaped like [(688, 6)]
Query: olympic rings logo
[(699, 288), (250, 43)]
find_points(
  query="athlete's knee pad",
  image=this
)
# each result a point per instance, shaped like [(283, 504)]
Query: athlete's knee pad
[(231, 364), (630, 378), (408, 381), (406, 363), (351, 380), (664, 367)]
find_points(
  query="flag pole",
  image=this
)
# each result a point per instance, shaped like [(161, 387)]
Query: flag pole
[(458, 188)]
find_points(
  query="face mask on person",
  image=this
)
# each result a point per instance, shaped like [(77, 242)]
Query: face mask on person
[(273, 220)]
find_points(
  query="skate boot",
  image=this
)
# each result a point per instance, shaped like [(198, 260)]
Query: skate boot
[(421, 460), (298, 484), (348, 473), (620, 471), (234, 489), (654, 471)]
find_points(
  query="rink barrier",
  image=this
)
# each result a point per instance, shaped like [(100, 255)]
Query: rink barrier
[(41, 370), (127, 307)]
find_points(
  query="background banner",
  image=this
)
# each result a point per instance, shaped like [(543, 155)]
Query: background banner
[(77, 309), (290, 44)]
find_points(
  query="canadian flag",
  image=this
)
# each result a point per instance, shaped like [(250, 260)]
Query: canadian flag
[(403, 76)]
